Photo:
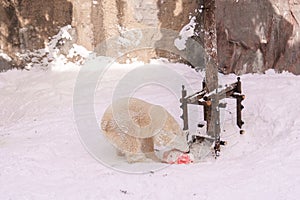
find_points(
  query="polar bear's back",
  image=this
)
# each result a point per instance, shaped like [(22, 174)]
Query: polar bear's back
[(134, 126)]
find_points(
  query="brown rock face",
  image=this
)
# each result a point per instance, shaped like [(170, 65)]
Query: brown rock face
[(254, 36), (42, 19), (27, 25)]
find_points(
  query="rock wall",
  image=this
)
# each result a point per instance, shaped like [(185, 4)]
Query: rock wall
[(257, 35), (253, 36), (27, 25)]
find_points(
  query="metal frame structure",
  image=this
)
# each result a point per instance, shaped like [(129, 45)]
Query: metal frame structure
[(208, 101), (210, 95)]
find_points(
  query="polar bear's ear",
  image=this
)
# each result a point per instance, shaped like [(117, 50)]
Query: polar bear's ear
[(158, 117)]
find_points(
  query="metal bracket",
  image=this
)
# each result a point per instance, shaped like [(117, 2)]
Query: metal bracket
[(205, 99)]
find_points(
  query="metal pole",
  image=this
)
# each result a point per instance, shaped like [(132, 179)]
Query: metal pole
[(184, 109)]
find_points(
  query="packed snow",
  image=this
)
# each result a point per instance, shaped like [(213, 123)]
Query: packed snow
[(186, 32), (5, 56), (42, 155)]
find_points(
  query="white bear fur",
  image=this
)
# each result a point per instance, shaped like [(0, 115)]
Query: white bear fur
[(142, 131)]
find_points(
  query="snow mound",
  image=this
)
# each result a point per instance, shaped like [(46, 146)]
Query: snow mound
[(59, 51), (41, 156)]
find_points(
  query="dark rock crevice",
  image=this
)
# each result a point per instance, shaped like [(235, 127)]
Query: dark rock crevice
[(121, 4), (97, 21)]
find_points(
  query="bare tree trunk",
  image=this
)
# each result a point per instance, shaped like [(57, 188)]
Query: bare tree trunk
[(211, 76), (210, 45)]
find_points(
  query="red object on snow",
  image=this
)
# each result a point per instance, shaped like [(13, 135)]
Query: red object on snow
[(184, 159)]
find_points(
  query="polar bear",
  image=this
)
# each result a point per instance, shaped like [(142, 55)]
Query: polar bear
[(141, 131)]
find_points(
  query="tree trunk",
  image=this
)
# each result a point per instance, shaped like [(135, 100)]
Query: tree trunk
[(211, 76)]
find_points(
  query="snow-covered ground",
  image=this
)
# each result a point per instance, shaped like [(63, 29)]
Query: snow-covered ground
[(42, 156)]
